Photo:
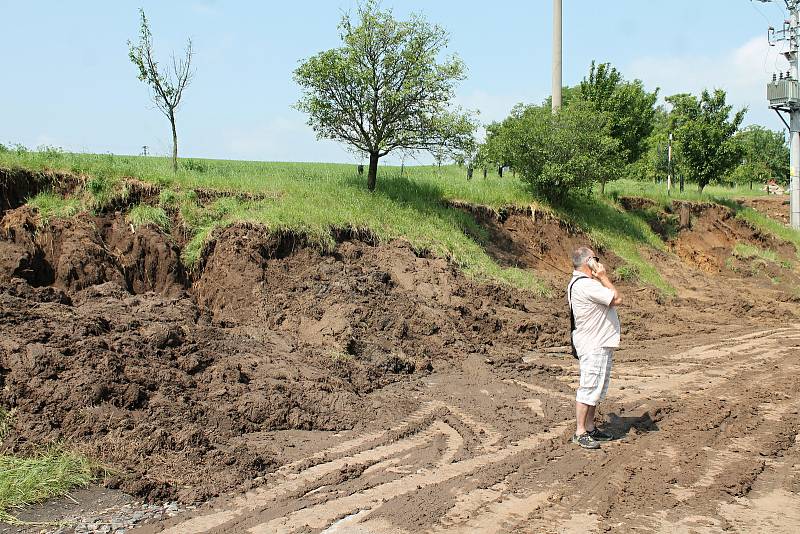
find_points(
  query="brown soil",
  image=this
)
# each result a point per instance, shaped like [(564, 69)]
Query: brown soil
[(774, 206), (375, 382)]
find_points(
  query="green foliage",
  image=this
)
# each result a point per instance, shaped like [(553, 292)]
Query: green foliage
[(628, 273), (384, 88), (557, 154), (142, 214), (704, 130), (631, 110), (169, 199), (194, 165), (30, 480), (766, 156), (105, 189), (50, 205)]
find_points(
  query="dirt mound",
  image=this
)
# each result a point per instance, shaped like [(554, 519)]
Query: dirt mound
[(533, 239), (162, 386), (379, 303), (148, 258), (80, 252), (711, 232)]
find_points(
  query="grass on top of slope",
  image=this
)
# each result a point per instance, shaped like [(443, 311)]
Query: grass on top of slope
[(309, 198), (409, 203), (270, 177)]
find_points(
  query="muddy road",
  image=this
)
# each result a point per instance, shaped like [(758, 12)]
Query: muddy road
[(707, 442)]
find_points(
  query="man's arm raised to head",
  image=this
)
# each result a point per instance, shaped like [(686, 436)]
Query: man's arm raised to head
[(602, 276)]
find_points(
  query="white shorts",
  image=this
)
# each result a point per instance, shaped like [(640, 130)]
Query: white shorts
[(595, 374)]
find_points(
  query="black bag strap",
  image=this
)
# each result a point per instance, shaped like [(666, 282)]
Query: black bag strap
[(572, 316)]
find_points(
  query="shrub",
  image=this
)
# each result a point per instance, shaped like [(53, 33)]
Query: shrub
[(563, 153), (194, 165)]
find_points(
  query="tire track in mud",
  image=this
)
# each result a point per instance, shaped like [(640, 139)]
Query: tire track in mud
[(422, 454)]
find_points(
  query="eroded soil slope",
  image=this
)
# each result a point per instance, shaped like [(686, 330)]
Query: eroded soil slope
[(189, 384)]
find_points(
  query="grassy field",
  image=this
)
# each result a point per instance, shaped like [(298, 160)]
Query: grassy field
[(312, 198)]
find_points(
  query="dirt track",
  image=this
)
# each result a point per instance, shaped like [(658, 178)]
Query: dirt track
[(707, 443)]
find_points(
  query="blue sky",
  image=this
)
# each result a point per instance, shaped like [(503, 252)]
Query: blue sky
[(67, 81)]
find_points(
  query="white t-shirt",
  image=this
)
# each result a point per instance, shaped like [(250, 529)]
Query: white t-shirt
[(596, 321)]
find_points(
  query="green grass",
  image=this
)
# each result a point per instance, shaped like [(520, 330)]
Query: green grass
[(410, 203), (623, 233), (142, 214), (311, 198), (744, 251), (52, 473), (50, 205), (658, 192)]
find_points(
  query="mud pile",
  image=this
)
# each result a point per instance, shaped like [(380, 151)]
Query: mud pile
[(108, 343)]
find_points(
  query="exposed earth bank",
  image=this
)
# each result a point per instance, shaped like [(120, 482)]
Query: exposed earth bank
[(192, 383)]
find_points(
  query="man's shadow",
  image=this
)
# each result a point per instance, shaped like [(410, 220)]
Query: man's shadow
[(620, 426)]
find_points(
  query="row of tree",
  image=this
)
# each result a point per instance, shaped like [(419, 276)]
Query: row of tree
[(386, 89), (610, 127)]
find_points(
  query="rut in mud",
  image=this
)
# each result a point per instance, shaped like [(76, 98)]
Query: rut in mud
[(243, 372), (691, 452)]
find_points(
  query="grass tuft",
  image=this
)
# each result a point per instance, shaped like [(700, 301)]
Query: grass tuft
[(143, 214), (51, 205), (748, 252), (52, 473)]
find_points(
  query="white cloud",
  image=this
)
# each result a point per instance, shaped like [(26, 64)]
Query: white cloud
[(743, 72)]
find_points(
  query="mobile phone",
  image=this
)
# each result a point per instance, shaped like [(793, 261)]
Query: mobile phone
[(592, 264)]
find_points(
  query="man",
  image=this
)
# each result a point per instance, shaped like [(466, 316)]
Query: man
[(593, 300)]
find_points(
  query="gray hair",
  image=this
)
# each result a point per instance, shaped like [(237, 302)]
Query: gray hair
[(580, 255)]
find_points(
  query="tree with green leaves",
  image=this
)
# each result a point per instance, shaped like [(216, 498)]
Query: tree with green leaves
[(385, 88), (631, 110), (704, 132), (563, 153), (765, 155), (167, 85)]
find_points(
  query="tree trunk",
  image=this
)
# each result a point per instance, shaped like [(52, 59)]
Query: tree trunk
[(602, 188), (373, 171), (174, 143)]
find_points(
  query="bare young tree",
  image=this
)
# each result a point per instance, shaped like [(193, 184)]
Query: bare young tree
[(166, 85)]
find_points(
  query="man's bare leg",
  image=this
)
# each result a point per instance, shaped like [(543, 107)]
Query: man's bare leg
[(589, 423), (581, 413)]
